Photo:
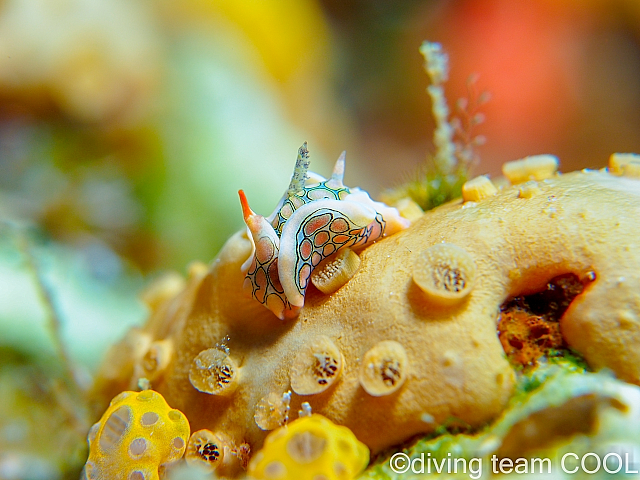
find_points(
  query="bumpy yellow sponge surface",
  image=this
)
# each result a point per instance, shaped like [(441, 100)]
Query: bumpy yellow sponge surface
[(138, 433), (309, 448), (451, 364)]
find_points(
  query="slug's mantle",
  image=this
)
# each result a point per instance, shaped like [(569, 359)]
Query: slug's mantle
[(310, 223)]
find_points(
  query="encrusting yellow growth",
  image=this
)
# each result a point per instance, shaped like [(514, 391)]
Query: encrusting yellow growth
[(478, 188), (137, 434), (534, 167), (310, 448)]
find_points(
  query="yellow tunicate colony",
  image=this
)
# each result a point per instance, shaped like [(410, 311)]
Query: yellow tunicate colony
[(310, 448), (137, 434)]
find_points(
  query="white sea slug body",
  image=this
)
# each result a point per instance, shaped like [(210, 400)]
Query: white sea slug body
[(311, 222)]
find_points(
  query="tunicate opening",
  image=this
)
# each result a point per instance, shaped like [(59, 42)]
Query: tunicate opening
[(384, 368), (175, 416), (138, 447), (344, 446), (136, 475), (275, 470), (146, 395), (340, 469), (478, 189), (149, 418), (529, 327), (93, 431), (624, 164), (115, 427), (305, 447), (529, 189), (120, 397), (178, 443), (88, 472), (165, 287), (317, 366), (175, 453)]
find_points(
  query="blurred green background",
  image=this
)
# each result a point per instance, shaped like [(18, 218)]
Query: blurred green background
[(127, 127)]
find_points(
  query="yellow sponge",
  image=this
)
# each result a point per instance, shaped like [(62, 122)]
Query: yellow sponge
[(137, 434), (310, 447)]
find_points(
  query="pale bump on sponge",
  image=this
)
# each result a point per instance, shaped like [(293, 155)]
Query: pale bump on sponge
[(137, 434), (214, 372), (384, 368), (625, 164), (478, 189), (445, 273), (317, 366), (534, 167)]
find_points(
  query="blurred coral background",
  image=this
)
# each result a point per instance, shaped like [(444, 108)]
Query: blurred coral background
[(127, 127), (130, 126)]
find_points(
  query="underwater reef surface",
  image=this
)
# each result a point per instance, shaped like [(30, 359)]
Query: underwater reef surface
[(447, 352)]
